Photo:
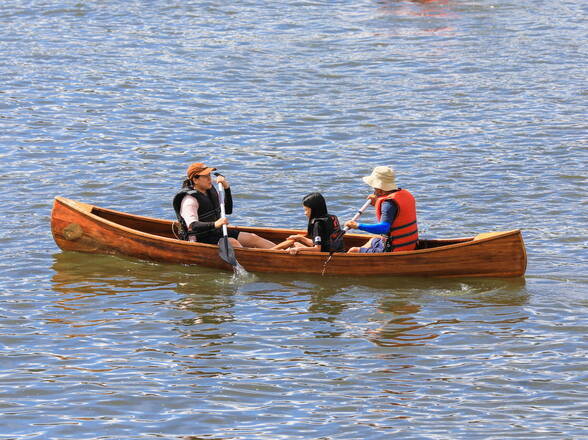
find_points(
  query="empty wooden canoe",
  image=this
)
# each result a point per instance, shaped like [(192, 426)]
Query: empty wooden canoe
[(83, 227)]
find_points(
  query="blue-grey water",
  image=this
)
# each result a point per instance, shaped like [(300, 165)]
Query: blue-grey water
[(480, 106)]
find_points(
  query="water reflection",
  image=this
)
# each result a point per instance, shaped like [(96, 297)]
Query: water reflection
[(209, 311), (417, 8), (324, 305), (418, 18), (489, 292), (79, 275), (401, 323), (404, 329), (133, 285), (131, 290), (134, 301), (505, 290)]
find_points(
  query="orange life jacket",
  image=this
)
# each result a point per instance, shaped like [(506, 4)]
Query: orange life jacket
[(404, 233)]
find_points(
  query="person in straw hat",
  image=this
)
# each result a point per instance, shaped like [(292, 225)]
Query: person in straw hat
[(197, 208), (395, 212)]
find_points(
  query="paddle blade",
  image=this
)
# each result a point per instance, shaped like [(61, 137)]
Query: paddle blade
[(226, 251)]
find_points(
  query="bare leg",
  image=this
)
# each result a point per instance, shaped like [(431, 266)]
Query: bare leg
[(235, 243), (356, 249), (247, 239)]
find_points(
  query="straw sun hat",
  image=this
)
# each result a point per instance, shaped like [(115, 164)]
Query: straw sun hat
[(383, 178)]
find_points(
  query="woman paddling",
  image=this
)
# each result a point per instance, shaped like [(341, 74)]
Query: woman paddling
[(197, 208), (323, 233)]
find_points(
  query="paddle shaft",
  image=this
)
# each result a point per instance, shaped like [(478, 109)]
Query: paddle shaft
[(358, 213), (221, 191), (225, 249)]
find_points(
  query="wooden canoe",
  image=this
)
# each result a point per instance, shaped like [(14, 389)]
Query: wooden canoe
[(83, 227)]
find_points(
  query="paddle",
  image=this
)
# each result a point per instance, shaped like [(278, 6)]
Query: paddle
[(355, 217), (358, 214), (225, 249)]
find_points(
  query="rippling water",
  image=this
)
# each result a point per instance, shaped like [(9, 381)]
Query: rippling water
[(479, 105)]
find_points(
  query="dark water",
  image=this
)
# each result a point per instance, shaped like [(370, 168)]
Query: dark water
[(480, 106)]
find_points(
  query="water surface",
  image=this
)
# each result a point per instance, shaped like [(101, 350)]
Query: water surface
[(479, 106)]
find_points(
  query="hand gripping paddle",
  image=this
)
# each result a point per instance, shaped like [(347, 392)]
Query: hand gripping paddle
[(225, 249)]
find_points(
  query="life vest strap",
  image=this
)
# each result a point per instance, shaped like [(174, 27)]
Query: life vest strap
[(403, 226), (394, 237), (389, 246)]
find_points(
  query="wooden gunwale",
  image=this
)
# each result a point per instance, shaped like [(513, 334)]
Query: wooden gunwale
[(138, 243)]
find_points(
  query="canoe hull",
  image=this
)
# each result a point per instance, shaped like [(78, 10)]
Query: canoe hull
[(85, 228)]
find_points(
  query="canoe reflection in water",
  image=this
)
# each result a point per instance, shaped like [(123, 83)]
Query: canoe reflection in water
[(401, 326), (100, 290)]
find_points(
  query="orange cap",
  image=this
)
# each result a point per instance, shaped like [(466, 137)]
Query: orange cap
[(198, 169)]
